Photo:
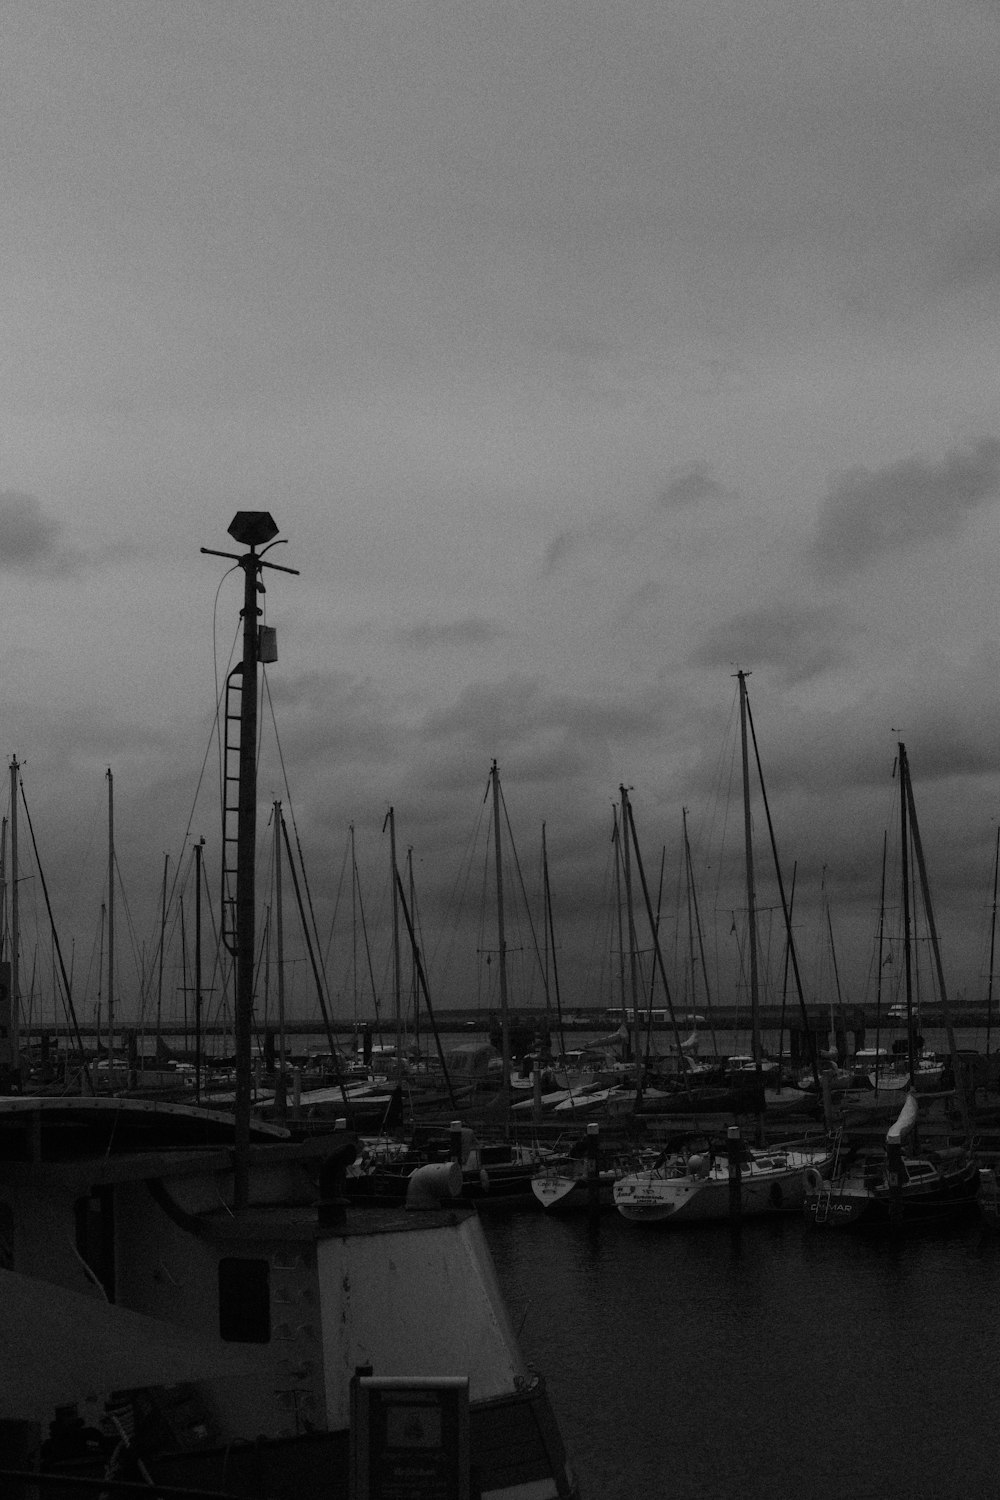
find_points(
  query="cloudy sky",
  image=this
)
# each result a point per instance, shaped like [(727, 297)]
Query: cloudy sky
[(583, 353)]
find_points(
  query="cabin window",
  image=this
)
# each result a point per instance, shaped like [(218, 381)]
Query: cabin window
[(244, 1300), (95, 1235)]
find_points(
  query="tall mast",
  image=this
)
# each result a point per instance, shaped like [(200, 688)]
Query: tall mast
[(414, 991), (881, 961), (280, 941), (904, 839), (552, 940), (690, 911), (163, 938), (354, 929), (252, 529), (198, 851), (397, 982), (751, 895), (501, 933), (630, 915), (993, 939), (617, 841), (15, 936), (918, 850), (111, 929)]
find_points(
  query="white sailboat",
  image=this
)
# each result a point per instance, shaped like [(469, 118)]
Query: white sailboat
[(702, 1186), (739, 1181)]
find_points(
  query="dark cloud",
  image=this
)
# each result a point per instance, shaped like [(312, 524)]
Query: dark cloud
[(32, 542), (867, 514), (558, 551), (800, 640), (472, 631), (519, 714), (29, 539), (692, 485), (972, 253)]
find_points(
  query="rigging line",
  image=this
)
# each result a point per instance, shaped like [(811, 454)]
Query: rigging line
[(552, 940), (86, 1083), (455, 904), (334, 1052), (418, 964), (213, 734), (143, 971), (520, 880), (652, 970), (219, 691), (907, 791), (993, 935), (693, 888), (365, 943), (784, 904), (295, 830), (649, 917), (336, 901)]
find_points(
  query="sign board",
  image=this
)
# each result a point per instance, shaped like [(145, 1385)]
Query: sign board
[(410, 1438)]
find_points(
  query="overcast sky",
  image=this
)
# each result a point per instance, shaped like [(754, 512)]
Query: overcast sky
[(583, 352)]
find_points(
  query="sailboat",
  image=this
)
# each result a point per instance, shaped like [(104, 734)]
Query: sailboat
[(239, 1314), (739, 1180), (901, 1186)]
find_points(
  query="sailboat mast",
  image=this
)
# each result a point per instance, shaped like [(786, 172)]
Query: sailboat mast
[(397, 980), (692, 962), (993, 940), (280, 942), (881, 960), (163, 938), (501, 933), (617, 841), (111, 929), (751, 895), (354, 929), (414, 990), (198, 851), (918, 850), (15, 935), (904, 835), (551, 938), (630, 918)]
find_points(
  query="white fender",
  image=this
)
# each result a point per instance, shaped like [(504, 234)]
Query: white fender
[(428, 1185)]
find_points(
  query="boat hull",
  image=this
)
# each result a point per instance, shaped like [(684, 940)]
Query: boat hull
[(768, 1185), (849, 1202), (559, 1194)]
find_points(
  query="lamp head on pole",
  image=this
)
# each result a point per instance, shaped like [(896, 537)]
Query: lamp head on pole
[(253, 527)]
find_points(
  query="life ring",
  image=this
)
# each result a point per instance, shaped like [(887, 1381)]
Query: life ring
[(812, 1179)]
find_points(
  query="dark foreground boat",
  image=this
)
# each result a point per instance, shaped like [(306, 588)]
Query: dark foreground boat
[(224, 1342)]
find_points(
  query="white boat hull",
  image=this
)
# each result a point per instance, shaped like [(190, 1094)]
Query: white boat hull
[(768, 1185)]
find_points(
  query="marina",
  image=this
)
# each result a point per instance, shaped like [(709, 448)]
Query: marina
[(498, 957), (269, 1251)]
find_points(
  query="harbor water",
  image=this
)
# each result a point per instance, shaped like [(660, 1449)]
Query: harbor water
[(686, 1364)]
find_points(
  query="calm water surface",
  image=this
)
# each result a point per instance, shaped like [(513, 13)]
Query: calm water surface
[(682, 1364)]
